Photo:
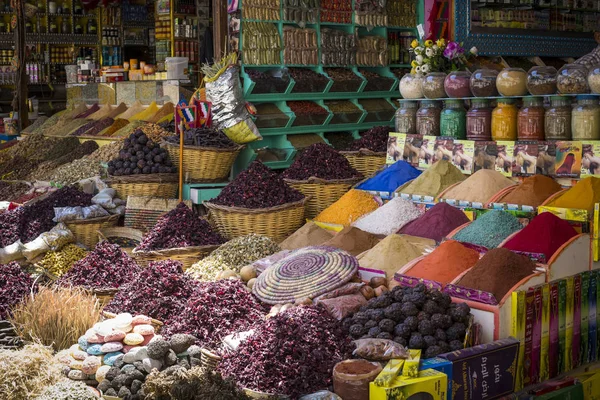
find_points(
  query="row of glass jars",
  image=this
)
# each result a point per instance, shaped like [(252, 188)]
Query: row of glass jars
[(532, 121), (571, 79)]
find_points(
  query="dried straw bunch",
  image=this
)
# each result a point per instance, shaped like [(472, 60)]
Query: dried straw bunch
[(56, 317), (25, 373)]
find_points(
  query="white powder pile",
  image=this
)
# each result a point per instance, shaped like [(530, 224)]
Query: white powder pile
[(389, 218)]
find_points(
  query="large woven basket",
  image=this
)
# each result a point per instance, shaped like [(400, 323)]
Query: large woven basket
[(104, 296), (153, 185), (276, 222), (186, 255), (365, 161), (203, 164), (321, 193), (86, 230), (121, 233)]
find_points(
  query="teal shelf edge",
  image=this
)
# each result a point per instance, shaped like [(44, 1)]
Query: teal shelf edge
[(271, 97), (296, 130)]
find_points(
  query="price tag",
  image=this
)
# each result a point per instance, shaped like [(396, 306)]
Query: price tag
[(421, 31)]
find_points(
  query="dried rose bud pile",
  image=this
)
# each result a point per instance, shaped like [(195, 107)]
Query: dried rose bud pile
[(14, 286), (106, 267), (257, 187), (321, 161), (215, 310), (160, 291), (180, 227), (292, 353)]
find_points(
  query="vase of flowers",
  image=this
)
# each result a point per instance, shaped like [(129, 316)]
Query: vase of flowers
[(439, 56)]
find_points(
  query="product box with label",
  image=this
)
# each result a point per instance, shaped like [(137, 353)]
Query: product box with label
[(591, 385), (574, 392), (429, 383), (487, 371), (441, 365)]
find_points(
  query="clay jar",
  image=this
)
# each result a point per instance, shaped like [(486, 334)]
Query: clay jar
[(433, 85), (457, 84), (483, 83), (512, 82)]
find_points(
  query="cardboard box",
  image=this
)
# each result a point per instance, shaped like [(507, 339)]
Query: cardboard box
[(584, 312), (429, 382), (592, 318), (441, 365), (574, 392), (518, 332), (590, 381), (487, 371), (554, 354), (545, 359)]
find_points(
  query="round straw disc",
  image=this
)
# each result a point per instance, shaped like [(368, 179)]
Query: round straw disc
[(307, 272)]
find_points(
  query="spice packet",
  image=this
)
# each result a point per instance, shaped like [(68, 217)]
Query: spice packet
[(411, 365), (462, 155), (524, 161), (568, 159), (391, 371)]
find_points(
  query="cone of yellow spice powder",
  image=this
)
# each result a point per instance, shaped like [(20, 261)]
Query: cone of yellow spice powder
[(582, 196), (348, 208)]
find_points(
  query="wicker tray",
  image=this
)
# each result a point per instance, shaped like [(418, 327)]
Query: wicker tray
[(86, 230), (186, 255), (321, 193), (276, 222), (121, 232), (203, 164), (153, 185), (365, 161)]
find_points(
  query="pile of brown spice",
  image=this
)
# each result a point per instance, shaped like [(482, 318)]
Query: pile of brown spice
[(532, 192)]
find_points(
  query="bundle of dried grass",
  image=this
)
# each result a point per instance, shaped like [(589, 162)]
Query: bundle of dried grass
[(56, 317), (25, 373)]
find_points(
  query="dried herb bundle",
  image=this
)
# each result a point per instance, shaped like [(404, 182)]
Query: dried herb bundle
[(56, 317), (292, 353)]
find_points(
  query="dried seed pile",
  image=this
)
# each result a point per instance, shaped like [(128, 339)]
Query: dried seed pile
[(389, 218), (59, 262), (204, 137), (67, 390), (106, 152), (490, 229), (10, 191), (233, 255), (75, 171)]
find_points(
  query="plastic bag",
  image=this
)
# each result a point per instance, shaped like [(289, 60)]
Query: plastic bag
[(342, 306), (105, 198), (120, 210), (58, 237), (94, 211), (264, 263), (234, 340), (36, 247), (348, 288), (321, 395), (62, 214), (379, 349), (11, 252)]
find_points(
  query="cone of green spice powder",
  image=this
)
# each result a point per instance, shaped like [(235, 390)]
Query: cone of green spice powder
[(434, 180)]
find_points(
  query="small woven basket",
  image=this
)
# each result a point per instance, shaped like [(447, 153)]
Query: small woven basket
[(365, 161), (203, 164), (321, 193), (155, 323), (276, 222), (186, 255), (121, 232), (104, 296), (86, 230), (153, 185), (209, 360)]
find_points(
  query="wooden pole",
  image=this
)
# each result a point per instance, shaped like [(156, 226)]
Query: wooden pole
[(180, 161), (219, 28), (19, 102)]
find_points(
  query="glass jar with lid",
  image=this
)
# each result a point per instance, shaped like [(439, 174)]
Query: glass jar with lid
[(530, 120), (512, 82), (572, 79), (585, 120), (411, 86), (457, 84), (428, 118), (504, 120), (557, 121), (594, 79), (541, 80), (406, 117), (483, 83), (453, 120), (433, 85), (479, 120)]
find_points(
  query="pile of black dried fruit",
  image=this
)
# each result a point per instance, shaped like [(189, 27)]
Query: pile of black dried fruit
[(215, 310), (106, 267), (257, 187), (29, 221), (160, 291), (375, 139), (417, 318), (140, 155), (204, 137), (178, 228), (321, 161), (14, 286), (292, 353)]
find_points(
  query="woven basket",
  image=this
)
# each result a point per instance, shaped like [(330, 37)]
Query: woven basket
[(209, 360), (86, 230), (104, 296), (276, 222), (153, 185), (321, 193), (154, 322), (186, 255), (365, 161), (143, 212), (121, 232), (203, 164)]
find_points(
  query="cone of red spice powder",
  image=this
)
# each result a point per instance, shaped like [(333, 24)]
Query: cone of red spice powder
[(544, 234), (445, 263), (436, 223)]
